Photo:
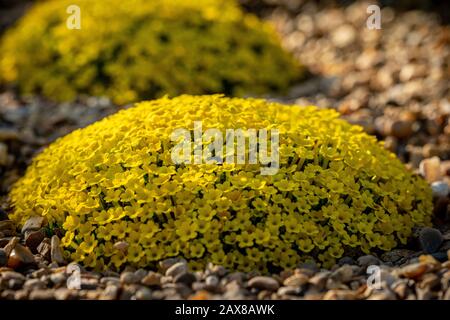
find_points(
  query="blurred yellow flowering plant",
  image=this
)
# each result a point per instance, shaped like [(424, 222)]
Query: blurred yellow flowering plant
[(140, 49), (115, 181)]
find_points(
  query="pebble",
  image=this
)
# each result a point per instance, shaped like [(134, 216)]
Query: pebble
[(167, 263), (346, 260), (296, 280), (336, 294), (140, 274), (212, 282), (186, 278), (3, 258), (12, 275), (33, 223), (383, 295), (33, 239), (289, 291), (143, 294), (401, 129), (368, 260), (264, 283), (6, 225), (42, 294), (430, 239), (58, 279), (128, 278), (4, 158), (3, 215), (110, 280), (344, 274), (431, 169), (440, 189), (176, 269), (111, 292), (20, 256), (413, 271), (33, 284), (44, 249), (56, 252), (152, 279)]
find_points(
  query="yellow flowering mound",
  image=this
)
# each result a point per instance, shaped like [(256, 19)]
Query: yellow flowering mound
[(142, 49), (337, 190)]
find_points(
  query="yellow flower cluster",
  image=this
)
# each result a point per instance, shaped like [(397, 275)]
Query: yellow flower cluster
[(142, 49), (337, 189)]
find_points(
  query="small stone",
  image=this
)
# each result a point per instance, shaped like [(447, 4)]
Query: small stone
[(167, 263), (440, 189), (143, 294), (397, 255), (6, 225), (336, 294), (217, 270), (44, 248), (401, 129), (383, 295), (187, 278), (33, 239), (289, 291), (3, 258), (343, 274), (176, 269), (440, 256), (111, 292), (430, 281), (343, 35), (128, 278), (368, 260), (152, 279), (58, 279), (140, 274), (3, 215), (33, 284), (401, 288), (11, 275), (33, 223), (431, 169), (212, 282), (4, 158), (296, 280), (264, 283), (413, 271), (56, 252), (65, 294), (430, 239), (45, 294), (319, 280), (346, 260), (11, 245), (20, 256), (110, 280)]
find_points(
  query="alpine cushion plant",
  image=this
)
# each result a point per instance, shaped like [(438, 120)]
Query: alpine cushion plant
[(337, 190), (141, 49)]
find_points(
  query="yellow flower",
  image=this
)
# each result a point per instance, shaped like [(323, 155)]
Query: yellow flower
[(186, 230), (115, 181)]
